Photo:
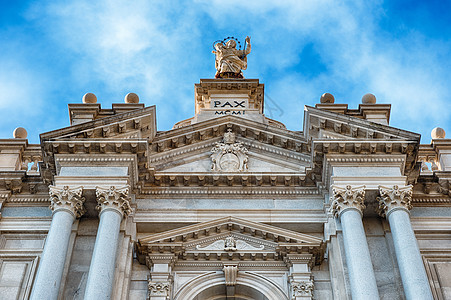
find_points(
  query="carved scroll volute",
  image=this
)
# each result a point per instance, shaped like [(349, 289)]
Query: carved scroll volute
[(114, 198), (394, 198), (347, 198), (67, 198)]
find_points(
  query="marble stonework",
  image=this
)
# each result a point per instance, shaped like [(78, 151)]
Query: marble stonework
[(228, 204)]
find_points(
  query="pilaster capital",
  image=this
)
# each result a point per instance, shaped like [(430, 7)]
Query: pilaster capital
[(394, 198), (114, 198), (302, 289), (158, 289), (68, 199), (345, 198)]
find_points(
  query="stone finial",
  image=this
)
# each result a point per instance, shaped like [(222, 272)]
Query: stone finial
[(369, 99), (347, 198), (68, 199), (131, 98), (20, 133), (394, 198), (89, 98), (114, 198), (327, 98), (438, 133)]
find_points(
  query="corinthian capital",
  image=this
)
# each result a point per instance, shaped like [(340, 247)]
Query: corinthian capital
[(67, 198), (158, 289), (302, 288), (394, 198), (116, 198), (347, 198)]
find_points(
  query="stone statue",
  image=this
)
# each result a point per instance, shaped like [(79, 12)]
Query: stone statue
[(229, 60)]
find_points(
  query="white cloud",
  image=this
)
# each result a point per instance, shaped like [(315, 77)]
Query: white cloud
[(158, 49)]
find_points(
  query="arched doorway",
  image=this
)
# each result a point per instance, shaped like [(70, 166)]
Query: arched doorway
[(219, 292), (249, 286)]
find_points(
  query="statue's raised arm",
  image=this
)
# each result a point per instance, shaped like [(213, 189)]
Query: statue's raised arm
[(229, 60), (247, 50)]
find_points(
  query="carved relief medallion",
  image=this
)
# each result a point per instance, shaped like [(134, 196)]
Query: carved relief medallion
[(229, 156)]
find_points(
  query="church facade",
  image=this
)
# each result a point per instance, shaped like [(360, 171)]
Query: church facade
[(228, 204)]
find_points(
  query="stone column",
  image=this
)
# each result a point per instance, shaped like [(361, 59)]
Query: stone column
[(348, 205), (66, 204), (113, 204), (394, 204)]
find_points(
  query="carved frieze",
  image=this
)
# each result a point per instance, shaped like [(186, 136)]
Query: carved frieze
[(67, 198), (116, 198), (394, 198), (229, 156), (347, 198)]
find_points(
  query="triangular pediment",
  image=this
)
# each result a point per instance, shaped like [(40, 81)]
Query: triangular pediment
[(190, 150), (322, 124), (231, 237), (231, 224), (135, 124)]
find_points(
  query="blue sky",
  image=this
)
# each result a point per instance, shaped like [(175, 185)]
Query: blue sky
[(53, 52)]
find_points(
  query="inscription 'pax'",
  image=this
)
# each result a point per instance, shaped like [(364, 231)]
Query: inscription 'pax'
[(230, 105)]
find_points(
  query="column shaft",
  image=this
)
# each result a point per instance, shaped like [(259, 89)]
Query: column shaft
[(360, 268), (50, 271), (411, 267), (101, 272)]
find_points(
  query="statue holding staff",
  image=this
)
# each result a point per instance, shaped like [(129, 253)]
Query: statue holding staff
[(231, 61)]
